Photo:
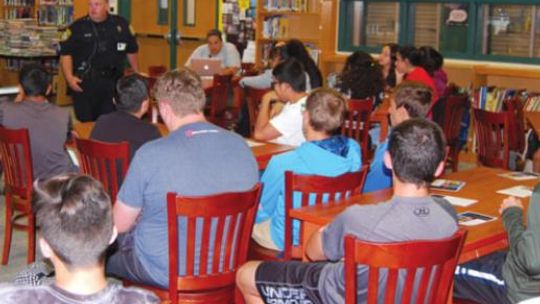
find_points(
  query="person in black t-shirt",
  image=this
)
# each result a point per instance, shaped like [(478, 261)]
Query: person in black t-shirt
[(125, 124)]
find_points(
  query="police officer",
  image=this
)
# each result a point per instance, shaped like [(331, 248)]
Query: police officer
[(92, 55)]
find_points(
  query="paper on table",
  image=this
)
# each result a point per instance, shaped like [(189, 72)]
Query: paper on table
[(472, 218), (520, 175), (517, 191), (457, 201), (252, 143)]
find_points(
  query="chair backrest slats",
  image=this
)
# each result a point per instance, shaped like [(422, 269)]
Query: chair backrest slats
[(427, 266), (316, 187), (357, 122), (516, 119), (254, 98), (218, 232), (492, 130), (16, 159), (106, 162), (454, 109)]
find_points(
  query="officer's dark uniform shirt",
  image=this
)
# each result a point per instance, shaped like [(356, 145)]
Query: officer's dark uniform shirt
[(105, 44)]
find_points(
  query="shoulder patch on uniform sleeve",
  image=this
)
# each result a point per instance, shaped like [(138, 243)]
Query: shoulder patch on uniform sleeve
[(65, 35), (131, 30)]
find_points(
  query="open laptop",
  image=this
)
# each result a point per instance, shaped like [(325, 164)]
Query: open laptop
[(206, 67)]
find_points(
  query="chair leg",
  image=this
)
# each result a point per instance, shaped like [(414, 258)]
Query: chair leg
[(455, 158), (31, 239), (8, 230)]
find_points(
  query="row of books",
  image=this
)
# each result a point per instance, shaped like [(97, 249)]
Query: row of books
[(275, 27), (56, 2), (492, 98), (55, 15), (532, 104), (18, 12), (16, 64), (286, 5), (24, 37), (19, 2)]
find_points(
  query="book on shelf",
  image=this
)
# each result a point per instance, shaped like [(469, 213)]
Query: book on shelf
[(286, 5), (492, 98)]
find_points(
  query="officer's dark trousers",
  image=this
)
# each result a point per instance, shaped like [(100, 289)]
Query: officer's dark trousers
[(95, 99)]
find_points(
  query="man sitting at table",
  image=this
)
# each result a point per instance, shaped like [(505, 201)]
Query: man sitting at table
[(289, 86), (410, 99), (506, 277), (216, 48), (48, 125), (196, 158), (125, 124), (416, 153), (322, 154)]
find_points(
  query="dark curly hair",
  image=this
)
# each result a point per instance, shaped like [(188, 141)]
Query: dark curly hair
[(296, 49), (391, 80), (361, 76)]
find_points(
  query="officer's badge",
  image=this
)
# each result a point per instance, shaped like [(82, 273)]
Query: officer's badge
[(131, 30), (65, 35), (119, 28)]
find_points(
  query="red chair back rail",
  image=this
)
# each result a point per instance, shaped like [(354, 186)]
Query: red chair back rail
[(455, 107), (492, 138), (438, 259), (357, 122)]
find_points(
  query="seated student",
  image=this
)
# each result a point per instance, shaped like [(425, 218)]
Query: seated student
[(296, 49), (409, 62), (76, 227), (48, 125), (321, 154), (216, 48), (387, 59), (416, 153), (125, 123), (290, 87), (432, 61), (410, 99), (512, 276), (264, 80), (362, 78)]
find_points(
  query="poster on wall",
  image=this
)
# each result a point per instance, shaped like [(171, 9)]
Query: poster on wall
[(238, 22)]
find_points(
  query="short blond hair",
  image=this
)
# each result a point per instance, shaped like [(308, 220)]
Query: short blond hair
[(182, 89), (326, 109)]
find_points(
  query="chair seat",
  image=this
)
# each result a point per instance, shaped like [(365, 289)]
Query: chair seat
[(223, 295)]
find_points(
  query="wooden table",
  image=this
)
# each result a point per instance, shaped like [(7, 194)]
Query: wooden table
[(263, 151), (481, 184)]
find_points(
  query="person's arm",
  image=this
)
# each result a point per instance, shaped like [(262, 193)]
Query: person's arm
[(124, 216), (263, 129), (66, 61), (314, 247), (229, 71), (133, 59), (512, 216)]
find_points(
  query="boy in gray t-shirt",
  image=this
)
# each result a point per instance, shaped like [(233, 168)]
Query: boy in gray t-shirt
[(416, 155)]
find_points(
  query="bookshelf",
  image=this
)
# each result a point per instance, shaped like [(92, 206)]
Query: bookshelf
[(281, 20)]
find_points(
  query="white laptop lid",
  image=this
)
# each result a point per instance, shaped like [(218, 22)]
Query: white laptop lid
[(206, 66)]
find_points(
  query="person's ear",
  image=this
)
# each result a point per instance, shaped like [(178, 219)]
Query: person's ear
[(387, 160), (49, 90), (403, 114), (145, 105), (46, 249), (113, 235)]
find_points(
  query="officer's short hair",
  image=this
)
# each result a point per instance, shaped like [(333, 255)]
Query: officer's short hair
[(131, 91), (75, 218), (182, 89), (34, 79), (214, 32)]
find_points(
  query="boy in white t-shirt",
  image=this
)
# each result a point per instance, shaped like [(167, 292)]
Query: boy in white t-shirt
[(289, 84)]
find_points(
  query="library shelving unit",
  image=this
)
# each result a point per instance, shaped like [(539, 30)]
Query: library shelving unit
[(31, 30), (281, 20)]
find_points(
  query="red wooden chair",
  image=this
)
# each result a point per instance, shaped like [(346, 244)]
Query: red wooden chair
[(16, 159), (254, 99), (438, 259), (219, 94), (106, 162), (514, 106), (312, 189), (357, 122), (455, 107), (492, 138), (232, 215)]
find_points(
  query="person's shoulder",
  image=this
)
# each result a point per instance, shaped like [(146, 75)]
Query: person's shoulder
[(79, 22), (22, 294), (133, 295), (119, 19)]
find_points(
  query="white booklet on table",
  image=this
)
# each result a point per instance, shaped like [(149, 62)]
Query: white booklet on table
[(457, 201), (520, 191)]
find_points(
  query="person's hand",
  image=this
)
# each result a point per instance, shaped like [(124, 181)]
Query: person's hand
[(510, 202), (73, 82), (268, 98)]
